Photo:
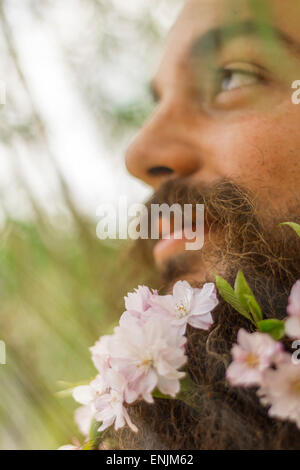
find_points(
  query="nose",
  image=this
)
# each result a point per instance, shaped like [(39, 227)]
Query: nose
[(163, 149)]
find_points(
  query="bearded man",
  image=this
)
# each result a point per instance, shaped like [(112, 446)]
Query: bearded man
[(226, 134)]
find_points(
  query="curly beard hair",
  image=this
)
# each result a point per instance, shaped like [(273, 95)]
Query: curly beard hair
[(219, 416)]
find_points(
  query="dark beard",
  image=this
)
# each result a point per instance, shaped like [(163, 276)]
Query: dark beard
[(223, 417)]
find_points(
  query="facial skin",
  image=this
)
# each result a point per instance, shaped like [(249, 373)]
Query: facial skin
[(225, 112), (225, 134)]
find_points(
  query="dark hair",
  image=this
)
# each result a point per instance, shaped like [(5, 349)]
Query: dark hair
[(219, 416)]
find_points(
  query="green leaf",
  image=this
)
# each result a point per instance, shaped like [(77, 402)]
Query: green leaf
[(246, 297), (242, 289), (228, 294), (186, 384), (88, 446), (273, 327), (95, 436), (157, 394), (294, 226), (254, 308)]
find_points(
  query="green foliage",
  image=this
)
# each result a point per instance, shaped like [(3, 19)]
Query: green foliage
[(247, 298), (273, 327), (228, 294), (57, 298), (241, 298), (294, 226), (95, 437), (254, 308)]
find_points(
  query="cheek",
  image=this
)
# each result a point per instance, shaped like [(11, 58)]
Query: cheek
[(262, 154)]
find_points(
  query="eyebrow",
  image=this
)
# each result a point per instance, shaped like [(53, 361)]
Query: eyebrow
[(213, 40)]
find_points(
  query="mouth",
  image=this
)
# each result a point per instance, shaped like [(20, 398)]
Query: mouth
[(167, 248), (173, 242)]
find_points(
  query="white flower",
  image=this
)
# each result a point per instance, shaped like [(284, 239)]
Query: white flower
[(110, 407), (100, 353), (149, 356), (139, 307), (145, 352), (292, 324), (281, 389), (103, 401), (253, 354), (84, 416), (68, 447), (86, 395), (190, 306), (140, 300), (111, 410), (294, 300)]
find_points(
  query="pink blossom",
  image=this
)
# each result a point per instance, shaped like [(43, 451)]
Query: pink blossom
[(188, 305), (100, 353), (280, 388), (292, 324), (253, 354), (110, 407), (294, 300), (139, 301), (111, 410), (84, 416), (69, 447), (139, 306), (103, 401), (86, 395), (145, 352), (75, 446), (149, 356)]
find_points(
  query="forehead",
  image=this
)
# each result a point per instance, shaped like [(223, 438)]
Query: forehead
[(201, 16)]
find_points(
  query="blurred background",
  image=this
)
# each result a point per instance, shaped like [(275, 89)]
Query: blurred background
[(76, 75)]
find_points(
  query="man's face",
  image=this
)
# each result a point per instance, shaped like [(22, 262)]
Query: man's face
[(224, 108), (225, 133)]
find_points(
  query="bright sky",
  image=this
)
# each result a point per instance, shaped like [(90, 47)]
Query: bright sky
[(93, 173)]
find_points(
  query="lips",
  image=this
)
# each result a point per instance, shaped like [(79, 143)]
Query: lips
[(173, 242), (166, 248)]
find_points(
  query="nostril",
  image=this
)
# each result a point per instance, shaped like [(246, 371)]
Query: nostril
[(160, 171)]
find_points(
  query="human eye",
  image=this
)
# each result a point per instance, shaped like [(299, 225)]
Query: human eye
[(237, 76)]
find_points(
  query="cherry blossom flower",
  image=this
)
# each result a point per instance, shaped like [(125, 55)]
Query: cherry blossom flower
[(253, 354), (139, 301), (84, 416), (188, 305), (110, 407), (294, 300), (292, 324), (111, 410), (69, 447), (86, 395), (103, 401), (149, 356), (100, 353), (280, 388), (145, 352), (139, 306)]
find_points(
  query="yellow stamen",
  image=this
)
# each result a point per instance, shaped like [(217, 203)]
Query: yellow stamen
[(252, 360), (181, 310)]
